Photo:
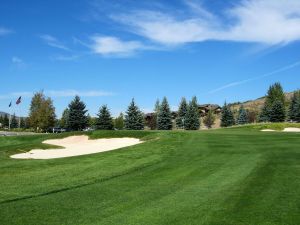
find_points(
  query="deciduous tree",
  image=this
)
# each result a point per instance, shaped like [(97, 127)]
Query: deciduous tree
[(42, 112), (119, 122), (209, 119)]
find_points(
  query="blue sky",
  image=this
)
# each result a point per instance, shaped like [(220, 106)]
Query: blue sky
[(110, 51)]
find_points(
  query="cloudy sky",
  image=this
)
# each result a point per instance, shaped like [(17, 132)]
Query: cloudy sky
[(110, 51)]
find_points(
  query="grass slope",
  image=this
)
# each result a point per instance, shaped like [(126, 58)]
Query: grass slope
[(227, 176)]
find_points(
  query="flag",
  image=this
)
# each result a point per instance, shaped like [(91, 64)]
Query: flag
[(19, 100), (9, 105)]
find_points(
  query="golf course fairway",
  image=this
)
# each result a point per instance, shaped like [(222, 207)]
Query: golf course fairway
[(238, 176)]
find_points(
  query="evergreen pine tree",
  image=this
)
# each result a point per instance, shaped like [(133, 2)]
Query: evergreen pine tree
[(277, 112), (242, 116), (227, 118), (152, 123), (22, 123), (157, 106), (91, 121), (104, 120), (5, 120), (209, 119), (1, 121), (164, 117), (119, 122), (27, 123), (275, 93), (64, 119), (192, 121), (297, 111), (77, 119), (294, 109), (134, 119), (14, 122), (182, 111), (264, 115)]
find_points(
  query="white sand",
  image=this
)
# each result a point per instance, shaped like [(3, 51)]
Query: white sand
[(77, 145), (288, 129), (291, 129)]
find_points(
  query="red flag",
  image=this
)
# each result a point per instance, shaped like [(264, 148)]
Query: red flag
[(19, 100)]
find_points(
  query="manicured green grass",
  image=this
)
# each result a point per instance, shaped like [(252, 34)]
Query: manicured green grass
[(222, 177)]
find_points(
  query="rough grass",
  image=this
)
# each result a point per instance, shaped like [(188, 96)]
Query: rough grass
[(272, 126), (230, 176)]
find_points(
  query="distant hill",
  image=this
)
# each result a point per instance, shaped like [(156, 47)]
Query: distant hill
[(3, 113), (256, 105)]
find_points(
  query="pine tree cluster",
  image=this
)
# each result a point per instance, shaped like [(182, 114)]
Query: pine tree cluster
[(77, 119), (74, 118), (243, 117), (227, 118), (182, 112), (294, 109), (274, 106), (134, 118), (104, 120), (164, 117), (192, 120)]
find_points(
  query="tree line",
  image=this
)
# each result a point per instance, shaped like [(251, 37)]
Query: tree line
[(276, 108), (14, 123), (75, 118)]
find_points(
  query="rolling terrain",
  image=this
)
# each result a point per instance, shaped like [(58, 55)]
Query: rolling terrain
[(231, 176)]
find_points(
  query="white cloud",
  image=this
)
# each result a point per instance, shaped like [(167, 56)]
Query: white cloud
[(53, 42), (237, 83), (65, 57), (4, 31), (266, 21), (18, 62), (257, 21), (72, 93), (13, 95), (112, 46), (59, 94), (165, 29)]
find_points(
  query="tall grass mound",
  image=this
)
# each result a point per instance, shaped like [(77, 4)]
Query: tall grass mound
[(271, 126)]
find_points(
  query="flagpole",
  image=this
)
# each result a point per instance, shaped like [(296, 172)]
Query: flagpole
[(9, 112), (9, 120), (19, 117), (17, 103)]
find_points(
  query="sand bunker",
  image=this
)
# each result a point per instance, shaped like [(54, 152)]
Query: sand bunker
[(291, 129), (268, 130), (77, 145), (288, 129)]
